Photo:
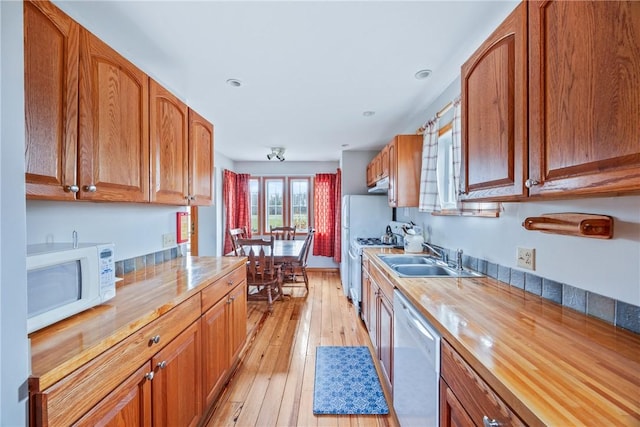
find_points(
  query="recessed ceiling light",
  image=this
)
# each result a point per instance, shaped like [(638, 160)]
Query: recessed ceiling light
[(344, 145), (422, 74), (368, 113), (234, 82)]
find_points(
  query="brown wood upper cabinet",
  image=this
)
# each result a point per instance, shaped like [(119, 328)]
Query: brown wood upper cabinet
[(51, 101), (113, 137), (89, 114), (181, 151), (405, 161), (577, 134), (200, 160), (168, 120)]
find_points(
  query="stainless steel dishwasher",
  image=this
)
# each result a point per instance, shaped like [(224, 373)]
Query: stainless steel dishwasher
[(416, 366)]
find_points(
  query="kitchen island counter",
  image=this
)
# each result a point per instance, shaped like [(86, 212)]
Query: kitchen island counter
[(141, 297), (552, 365)]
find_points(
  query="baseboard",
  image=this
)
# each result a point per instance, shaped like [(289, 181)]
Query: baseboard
[(322, 270)]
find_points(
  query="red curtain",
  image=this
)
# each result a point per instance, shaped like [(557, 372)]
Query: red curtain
[(236, 205), (337, 249), (326, 190)]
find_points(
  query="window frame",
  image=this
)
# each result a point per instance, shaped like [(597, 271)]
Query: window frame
[(287, 208)]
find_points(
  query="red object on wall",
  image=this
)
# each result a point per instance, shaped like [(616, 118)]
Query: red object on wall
[(182, 227)]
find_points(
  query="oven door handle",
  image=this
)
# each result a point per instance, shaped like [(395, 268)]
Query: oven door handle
[(352, 255)]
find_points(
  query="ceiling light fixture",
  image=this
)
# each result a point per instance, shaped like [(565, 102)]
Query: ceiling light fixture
[(234, 82), (422, 74), (276, 152), (368, 113)]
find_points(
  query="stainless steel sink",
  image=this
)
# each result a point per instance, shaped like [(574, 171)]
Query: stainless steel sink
[(392, 260), (423, 266)]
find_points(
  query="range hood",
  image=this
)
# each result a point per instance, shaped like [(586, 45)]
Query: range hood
[(381, 186)]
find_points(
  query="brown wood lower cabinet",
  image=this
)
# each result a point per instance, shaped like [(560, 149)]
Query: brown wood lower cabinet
[(466, 399), (168, 373), (377, 312), (224, 328)]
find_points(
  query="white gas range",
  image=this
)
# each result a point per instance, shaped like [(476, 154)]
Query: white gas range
[(355, 259)]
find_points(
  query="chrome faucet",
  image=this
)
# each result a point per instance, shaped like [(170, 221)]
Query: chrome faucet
[(459, 259), (438, 251)]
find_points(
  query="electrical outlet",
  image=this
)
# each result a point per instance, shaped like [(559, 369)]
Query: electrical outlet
[(168, 240), (526, 258)]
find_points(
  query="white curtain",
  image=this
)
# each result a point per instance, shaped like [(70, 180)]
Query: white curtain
[(456, 140), (429, 201)]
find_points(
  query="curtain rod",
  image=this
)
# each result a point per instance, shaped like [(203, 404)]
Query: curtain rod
[(439, 114)]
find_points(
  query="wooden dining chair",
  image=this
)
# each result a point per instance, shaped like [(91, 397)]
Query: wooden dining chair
[(299, 266), (283, 233), (235, 234), (264, 277)]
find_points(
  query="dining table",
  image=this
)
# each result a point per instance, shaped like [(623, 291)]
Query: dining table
[(284, 251)]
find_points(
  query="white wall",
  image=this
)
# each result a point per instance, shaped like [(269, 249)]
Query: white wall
[(14, 361), (136, 229), (354, 171), (607, 267)]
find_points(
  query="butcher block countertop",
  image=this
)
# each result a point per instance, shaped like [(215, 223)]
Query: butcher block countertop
[(141, 297), (552, 365)]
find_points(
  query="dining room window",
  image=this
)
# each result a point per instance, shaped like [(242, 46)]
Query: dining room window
[(277, 201), (299, 206)]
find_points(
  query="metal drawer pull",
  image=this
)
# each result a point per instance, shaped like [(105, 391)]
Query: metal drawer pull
[(71, 188), (149, 376), (489, 423), (155, 340), (162, 364), (90, 188)]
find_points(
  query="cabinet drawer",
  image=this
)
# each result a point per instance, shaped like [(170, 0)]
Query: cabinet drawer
[(68, 399), (386, 287), (218, 289), (477, 398)]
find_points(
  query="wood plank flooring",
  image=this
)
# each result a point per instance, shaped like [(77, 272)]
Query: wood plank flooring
[(273, 385)]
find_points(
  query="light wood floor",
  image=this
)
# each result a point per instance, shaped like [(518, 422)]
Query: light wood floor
[(274, 383)]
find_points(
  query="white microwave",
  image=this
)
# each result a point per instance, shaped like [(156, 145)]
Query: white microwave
[(63, 280)]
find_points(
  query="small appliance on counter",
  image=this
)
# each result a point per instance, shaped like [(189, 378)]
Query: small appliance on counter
[(413, 239), (66, 278)]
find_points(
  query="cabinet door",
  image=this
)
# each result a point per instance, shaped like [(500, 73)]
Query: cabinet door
[(393, 175), (368, 301), (238, 319), (494, 113), (127, 405), (169, 146), (385, 344), (384, 162), (114, 125), (200, 160), (406, 166), (452, 414), (51, 41), (584, 88), (177, 389), (215, 348)]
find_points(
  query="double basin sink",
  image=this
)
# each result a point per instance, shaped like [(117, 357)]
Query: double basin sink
[(423, 266)]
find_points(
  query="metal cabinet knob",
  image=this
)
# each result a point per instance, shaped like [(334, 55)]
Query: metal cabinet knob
[(90, 188), (155, 340), (149, 376), (162, 364), (486, 422), (531, 182), (71, 188)]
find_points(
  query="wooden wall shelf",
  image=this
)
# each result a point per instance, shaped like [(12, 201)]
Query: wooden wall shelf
[(572, 224)]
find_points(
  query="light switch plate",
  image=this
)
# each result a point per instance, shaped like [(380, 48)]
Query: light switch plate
[(526, 258), (168, 240)]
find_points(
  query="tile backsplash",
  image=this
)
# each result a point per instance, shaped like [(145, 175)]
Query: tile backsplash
[(618, 313), (140, 262)]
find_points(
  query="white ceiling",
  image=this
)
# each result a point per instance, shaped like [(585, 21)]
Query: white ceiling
[(309, 69)]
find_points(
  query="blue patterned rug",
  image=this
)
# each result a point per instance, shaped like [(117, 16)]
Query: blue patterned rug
[(346, 382)]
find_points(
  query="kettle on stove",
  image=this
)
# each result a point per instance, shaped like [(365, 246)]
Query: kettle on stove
[(412, 240), (388, 238)]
